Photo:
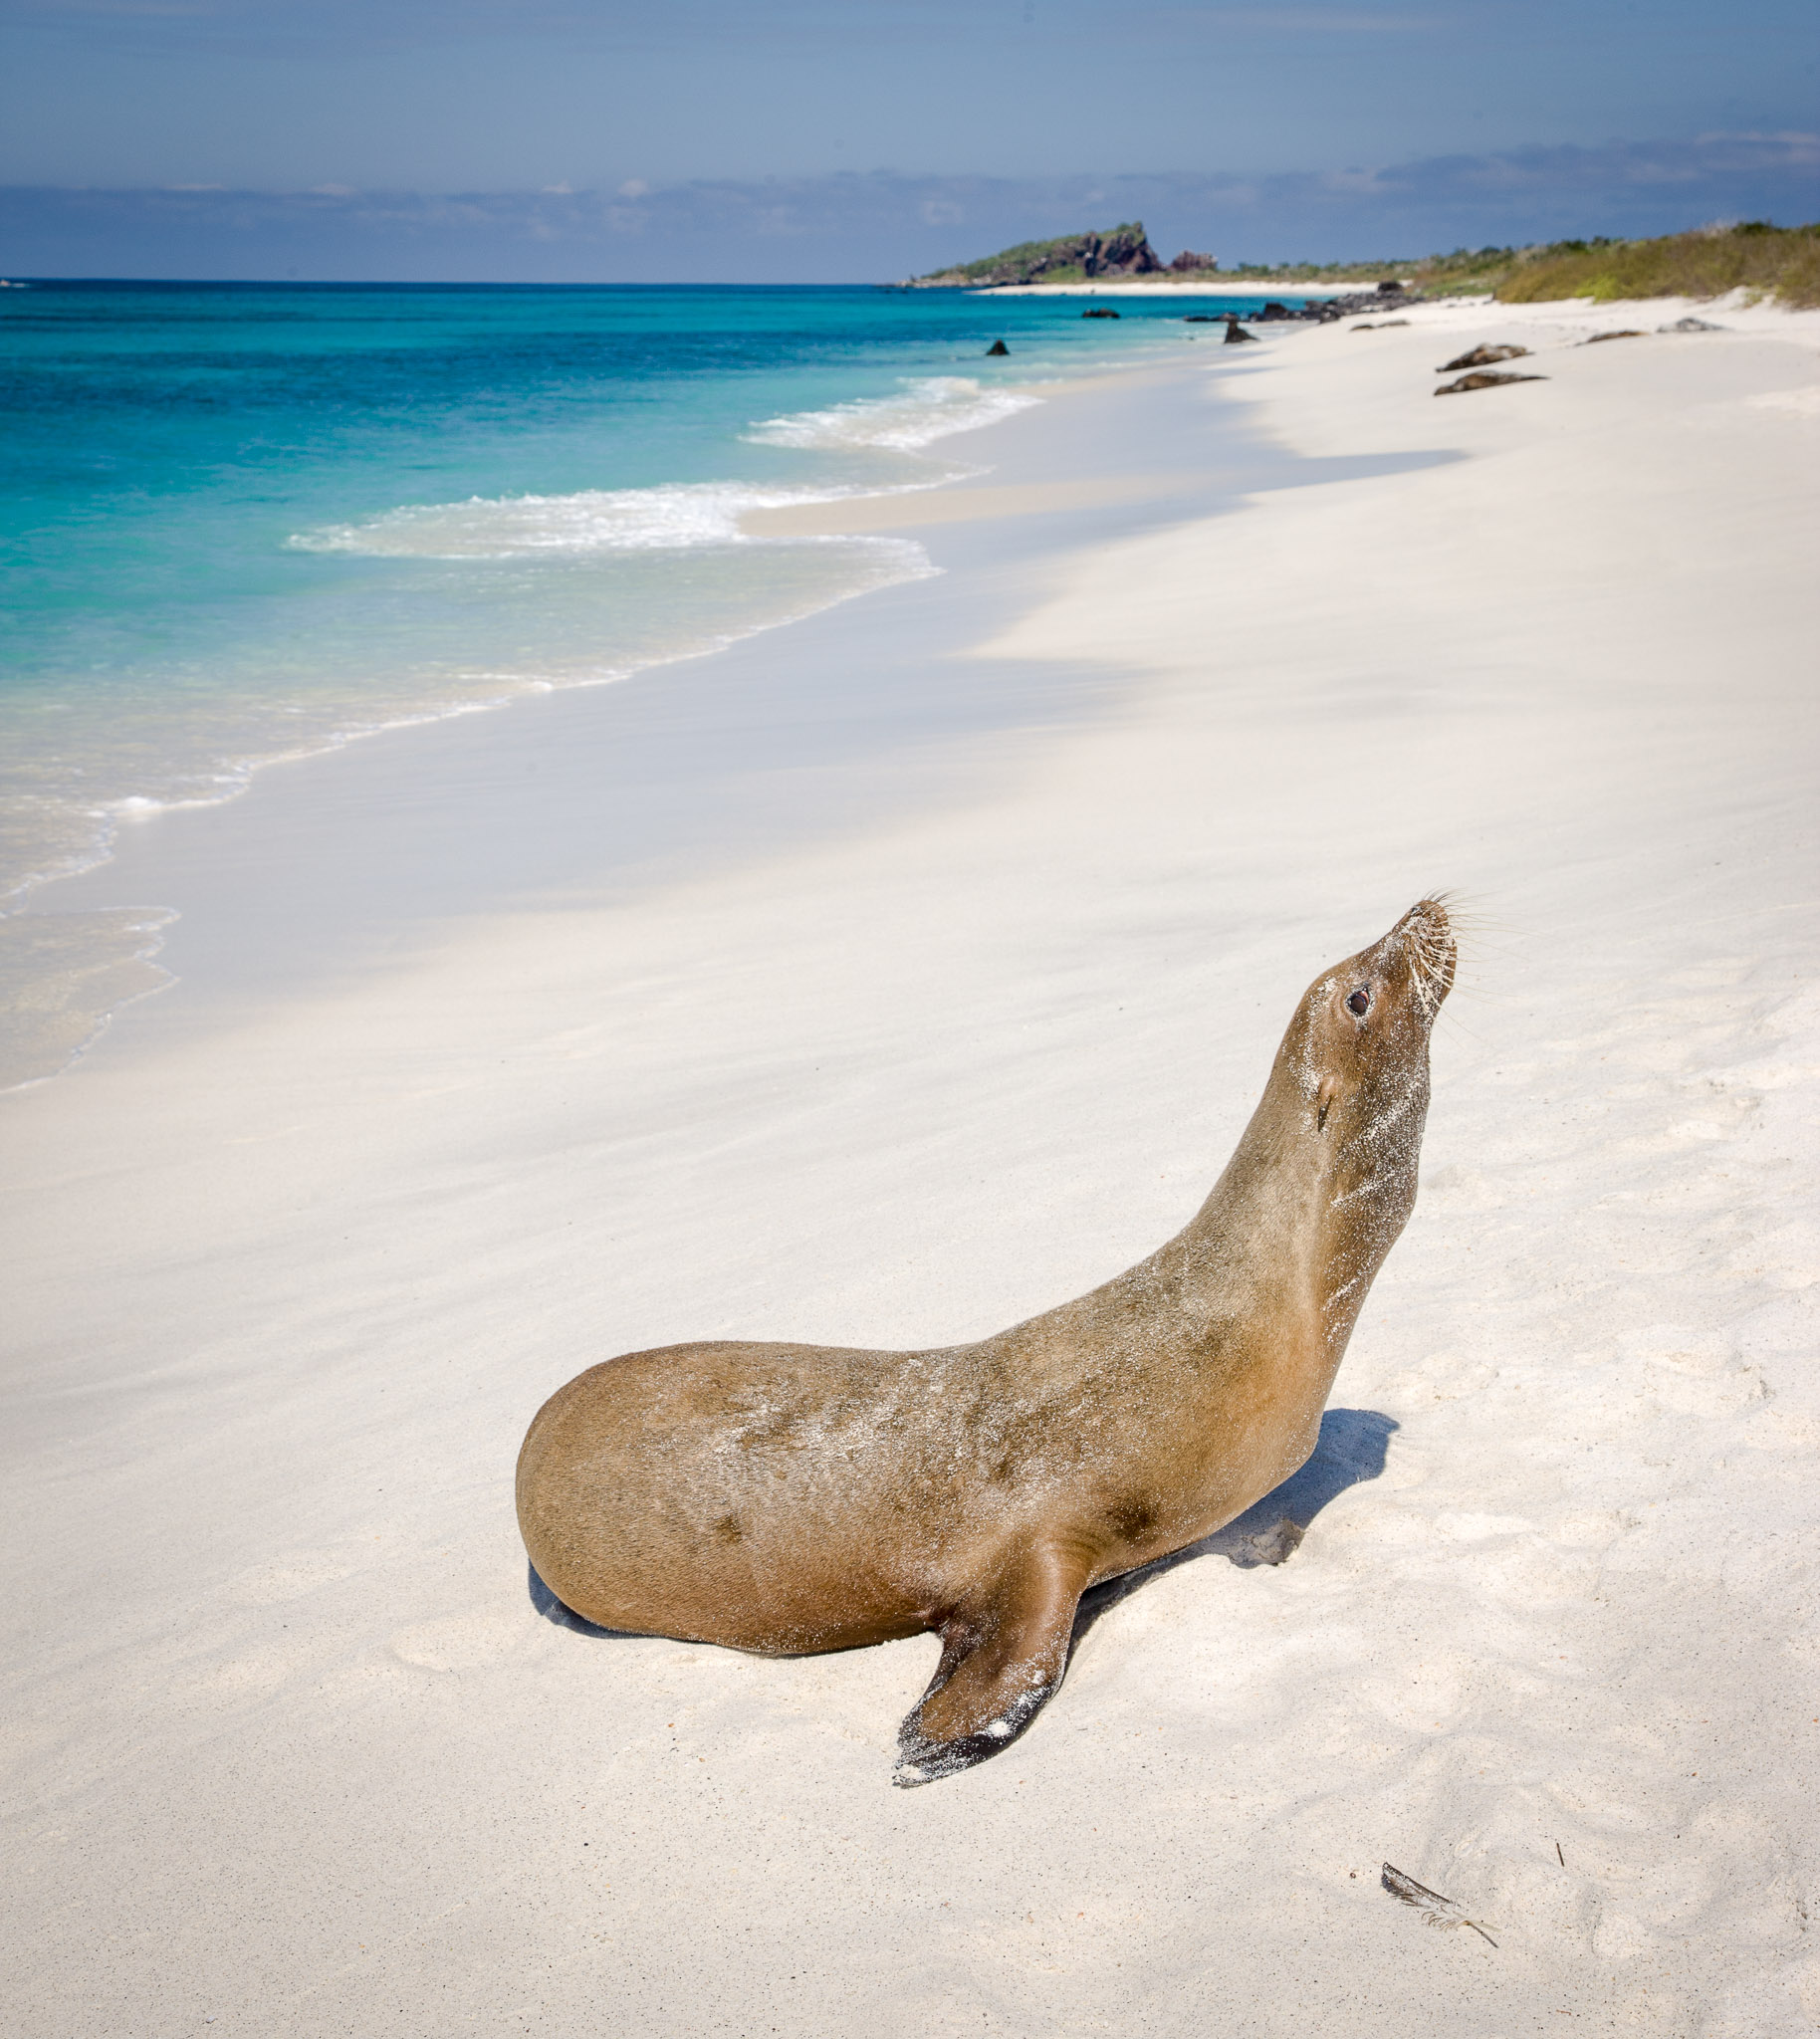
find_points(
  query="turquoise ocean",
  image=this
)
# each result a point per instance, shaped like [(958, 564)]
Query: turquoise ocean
[(249, 522)]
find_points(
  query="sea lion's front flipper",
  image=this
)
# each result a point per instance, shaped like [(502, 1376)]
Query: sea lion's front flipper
[(1001, 1656)]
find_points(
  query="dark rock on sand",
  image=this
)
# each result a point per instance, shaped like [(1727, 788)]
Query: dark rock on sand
[(1360, 303), (997, 347), (1481, 358), (1692, 324), (1484, 380)]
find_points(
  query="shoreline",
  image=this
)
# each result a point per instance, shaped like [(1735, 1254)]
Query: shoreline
[(436, 818), (66, 967), (56, 903), (299, 1261), (630, 578)]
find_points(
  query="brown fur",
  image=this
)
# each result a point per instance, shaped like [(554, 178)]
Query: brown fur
[(796, 1497)]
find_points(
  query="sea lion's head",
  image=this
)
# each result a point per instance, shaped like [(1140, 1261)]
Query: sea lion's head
[(1356, 1056), (1365, 1024), (1356, 1061)]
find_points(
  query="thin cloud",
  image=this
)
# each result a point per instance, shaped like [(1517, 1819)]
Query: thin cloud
[(879, 226), (1802, 147), (115, 9), (1299, 21)]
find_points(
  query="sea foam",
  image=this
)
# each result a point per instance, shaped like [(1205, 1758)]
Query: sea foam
[(669, 518), (678, 515), (927, 408)]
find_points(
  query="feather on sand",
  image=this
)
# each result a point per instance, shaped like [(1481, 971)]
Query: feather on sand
[(1437, 1910)]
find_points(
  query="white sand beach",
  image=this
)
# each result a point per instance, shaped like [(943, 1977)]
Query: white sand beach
[(898, 1043)]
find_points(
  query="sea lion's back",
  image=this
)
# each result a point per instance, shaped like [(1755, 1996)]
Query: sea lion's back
[(703, 1490)]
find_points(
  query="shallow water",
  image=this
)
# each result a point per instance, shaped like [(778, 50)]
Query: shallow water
[(253, 521)]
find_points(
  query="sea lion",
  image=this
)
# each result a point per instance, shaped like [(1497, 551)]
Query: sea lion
[(785, 1499)]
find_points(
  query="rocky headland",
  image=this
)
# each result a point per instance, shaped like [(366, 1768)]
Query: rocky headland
[(1069, 258)]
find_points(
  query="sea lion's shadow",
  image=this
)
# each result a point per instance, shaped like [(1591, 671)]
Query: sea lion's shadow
[(1353, 1446), (565, 1617)]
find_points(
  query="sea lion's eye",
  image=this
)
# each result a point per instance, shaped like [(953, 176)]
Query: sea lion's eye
[(1360, 1001)]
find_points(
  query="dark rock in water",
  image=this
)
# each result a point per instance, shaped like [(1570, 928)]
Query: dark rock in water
[(1484, 380), (1692, 324), (997, 347), (1481, 358), (1274, 311), (1100, 312), (1234, 333), (1206, 318), (1629, 332)]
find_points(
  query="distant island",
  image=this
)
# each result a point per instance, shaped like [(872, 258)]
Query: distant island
[(1772, 261)]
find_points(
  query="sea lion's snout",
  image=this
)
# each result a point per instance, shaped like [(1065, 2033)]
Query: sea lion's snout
[(1403, 977), (1425, 937), (1363, 1034)]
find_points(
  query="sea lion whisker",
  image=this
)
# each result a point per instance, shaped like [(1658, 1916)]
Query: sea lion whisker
[(1458, 1023)]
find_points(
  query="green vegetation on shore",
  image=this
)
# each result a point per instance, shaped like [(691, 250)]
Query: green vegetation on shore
[(1774, 262), (1778, 262)]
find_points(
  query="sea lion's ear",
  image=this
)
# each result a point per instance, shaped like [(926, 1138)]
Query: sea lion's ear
[(1323, 1099)]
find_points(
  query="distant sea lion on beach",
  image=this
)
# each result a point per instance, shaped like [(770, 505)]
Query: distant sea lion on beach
[(1481, 358), (785, 1499)]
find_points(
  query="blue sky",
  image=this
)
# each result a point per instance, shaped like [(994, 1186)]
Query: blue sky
[(796, 138)]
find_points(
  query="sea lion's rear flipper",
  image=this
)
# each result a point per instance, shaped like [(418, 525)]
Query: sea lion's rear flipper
[(1002, 1658)]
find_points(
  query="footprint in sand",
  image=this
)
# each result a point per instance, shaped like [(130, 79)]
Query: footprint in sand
[(289, 1578), (464, 1642)]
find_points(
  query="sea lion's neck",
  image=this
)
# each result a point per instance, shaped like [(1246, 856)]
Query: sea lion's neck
[(1311, 1203), (1372, 1193)]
